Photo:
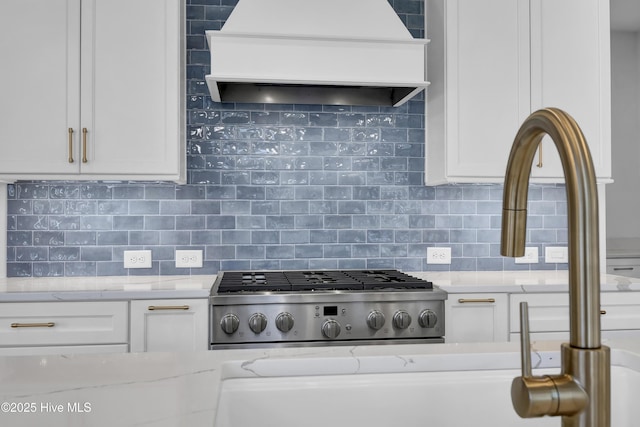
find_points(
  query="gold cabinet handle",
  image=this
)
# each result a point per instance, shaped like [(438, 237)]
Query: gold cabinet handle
[(70, 145), (33, 325), (539, 155), (84, 145), (476, 300), (603, 312), (168, 307)]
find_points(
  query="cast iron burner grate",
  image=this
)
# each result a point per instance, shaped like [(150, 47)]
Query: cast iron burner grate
[(322, 280)]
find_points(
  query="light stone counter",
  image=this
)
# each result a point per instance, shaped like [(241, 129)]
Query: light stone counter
[(27, 289), (170, 389), (518, 281)]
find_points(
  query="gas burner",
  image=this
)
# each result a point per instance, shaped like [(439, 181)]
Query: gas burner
[(250, 282), (254, 278), (322, 280), (316, 281), (388, 280)]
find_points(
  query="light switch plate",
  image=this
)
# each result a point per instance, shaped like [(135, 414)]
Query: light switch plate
[(556, 254)]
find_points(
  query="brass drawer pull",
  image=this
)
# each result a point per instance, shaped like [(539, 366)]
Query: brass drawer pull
[(168, 307), (540, 164), (33, 325), (603, 312), (84, 145), (476, 300), (70, 145)]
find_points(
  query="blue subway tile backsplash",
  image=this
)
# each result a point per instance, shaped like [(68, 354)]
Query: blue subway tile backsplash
[(276, 186)]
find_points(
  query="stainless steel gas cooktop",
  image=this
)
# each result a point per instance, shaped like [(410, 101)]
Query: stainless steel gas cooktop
[(324, 307)]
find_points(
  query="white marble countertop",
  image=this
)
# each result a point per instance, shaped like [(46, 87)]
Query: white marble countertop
[(26, 289), (182, 389), (518, 281), (623, 248)]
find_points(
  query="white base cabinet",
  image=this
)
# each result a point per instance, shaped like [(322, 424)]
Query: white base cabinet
[(495, 317), (61, 327), (549, 315), (477, 317), (39, 328), (169, 325)]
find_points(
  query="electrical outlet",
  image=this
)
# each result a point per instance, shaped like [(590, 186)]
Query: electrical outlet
[(530, 256), (189, 259), (137, 259), (438, 255), (556, 254)]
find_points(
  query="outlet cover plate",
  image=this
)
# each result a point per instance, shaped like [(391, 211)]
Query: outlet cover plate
[(438, 255), (530, 256), (188, 259), (137, 259)]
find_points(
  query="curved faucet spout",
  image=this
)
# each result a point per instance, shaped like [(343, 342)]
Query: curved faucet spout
[(581, 394), (582, 201)]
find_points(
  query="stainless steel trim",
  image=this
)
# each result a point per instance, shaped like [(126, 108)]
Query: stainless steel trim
[(327, 297), (325, 343)]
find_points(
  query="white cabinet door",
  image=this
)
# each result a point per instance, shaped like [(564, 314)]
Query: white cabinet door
[(169, 325), (39, 47), (132, 85), (477, 318), (548, 316), (570, 58), (492, 63), (96, 92), (478, 68)]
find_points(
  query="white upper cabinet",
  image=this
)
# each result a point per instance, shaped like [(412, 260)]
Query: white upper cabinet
[(92, 89), (494, 62)]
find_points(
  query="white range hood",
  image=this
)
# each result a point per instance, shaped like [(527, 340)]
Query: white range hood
[(340, 52)]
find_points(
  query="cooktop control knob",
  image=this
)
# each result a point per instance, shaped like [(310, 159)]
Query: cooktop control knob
[(331, 329), (427, 319), (257, 322), (401, 319), (284, 322), (375, 320), (229, 323)]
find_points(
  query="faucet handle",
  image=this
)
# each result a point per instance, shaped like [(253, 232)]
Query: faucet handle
[(547, 394), (525, 340)]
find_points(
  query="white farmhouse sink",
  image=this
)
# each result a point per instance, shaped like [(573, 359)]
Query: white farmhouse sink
[(437, 390)]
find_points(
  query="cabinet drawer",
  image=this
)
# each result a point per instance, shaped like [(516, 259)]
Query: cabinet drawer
[(629, 267), (63, 323), (550, 312)]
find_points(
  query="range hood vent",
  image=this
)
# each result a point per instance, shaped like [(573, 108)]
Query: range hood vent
[(339, 52)]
